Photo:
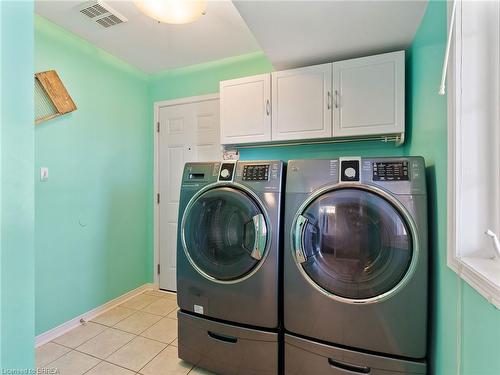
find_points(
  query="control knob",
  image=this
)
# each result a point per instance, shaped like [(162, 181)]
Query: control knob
[(350, 172)]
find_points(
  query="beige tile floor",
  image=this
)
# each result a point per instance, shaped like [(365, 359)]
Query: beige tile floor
[(137, 337)]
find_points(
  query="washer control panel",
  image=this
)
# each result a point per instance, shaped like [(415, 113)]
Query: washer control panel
[(226, 171), (390, 171), (256, 172)]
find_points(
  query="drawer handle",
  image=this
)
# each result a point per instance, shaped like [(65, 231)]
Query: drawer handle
[(348, 366), (225, 338)]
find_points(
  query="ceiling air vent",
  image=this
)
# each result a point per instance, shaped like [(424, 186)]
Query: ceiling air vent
[(101, 13)]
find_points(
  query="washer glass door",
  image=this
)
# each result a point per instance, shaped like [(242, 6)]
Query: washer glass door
[(354, 243), (225, 233)]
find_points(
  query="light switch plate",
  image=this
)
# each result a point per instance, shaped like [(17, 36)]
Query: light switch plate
[(44, 174)]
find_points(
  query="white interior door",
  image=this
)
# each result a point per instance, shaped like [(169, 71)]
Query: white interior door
[(187, 132)]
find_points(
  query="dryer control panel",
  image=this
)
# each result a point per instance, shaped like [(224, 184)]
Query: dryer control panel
[(390, 171), (398, 174)]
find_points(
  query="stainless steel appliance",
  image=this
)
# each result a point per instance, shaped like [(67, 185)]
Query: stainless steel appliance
[(355, 266), (228, 266)]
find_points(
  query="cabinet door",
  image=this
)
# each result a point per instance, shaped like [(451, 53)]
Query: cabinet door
[(245, 110), (369, 95), (302, 103)]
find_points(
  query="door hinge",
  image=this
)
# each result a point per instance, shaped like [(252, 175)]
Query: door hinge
[(158, 269), (158, 126), (158, 198)]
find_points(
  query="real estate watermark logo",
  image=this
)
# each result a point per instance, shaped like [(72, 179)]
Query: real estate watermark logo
[(30, 371)]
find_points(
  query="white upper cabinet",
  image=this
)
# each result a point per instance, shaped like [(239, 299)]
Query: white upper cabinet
[(245, 110), (362, 97), (302, 103), (369, 95)]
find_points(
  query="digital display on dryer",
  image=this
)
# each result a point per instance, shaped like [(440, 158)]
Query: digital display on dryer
[(391, 171), (256, 172)]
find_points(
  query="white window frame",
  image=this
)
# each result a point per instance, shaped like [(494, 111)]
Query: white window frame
[(481, 272)]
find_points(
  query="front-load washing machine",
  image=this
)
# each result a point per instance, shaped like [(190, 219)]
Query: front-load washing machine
[(355, 266), (228, 266)]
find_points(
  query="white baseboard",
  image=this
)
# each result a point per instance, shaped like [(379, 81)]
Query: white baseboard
[(55, 332)]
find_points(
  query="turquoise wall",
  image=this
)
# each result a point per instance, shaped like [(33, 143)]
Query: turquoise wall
[(16, 186), (93, 215), (105, 129), (204, 78), (427, 120), (459, 313)]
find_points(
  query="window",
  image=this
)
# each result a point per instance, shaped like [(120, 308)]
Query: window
[(474, 146)]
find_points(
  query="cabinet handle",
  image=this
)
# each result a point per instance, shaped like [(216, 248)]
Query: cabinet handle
[(268, 107), (328, 100), (336, 99)]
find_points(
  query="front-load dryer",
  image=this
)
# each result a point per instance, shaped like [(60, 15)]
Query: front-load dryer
[(355, 266), (228, 265)]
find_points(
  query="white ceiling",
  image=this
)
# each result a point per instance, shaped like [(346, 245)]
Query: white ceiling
[(153, 47), (291, 33), (300, 33)]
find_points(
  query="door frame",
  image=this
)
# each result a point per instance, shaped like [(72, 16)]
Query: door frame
[(156, 188)]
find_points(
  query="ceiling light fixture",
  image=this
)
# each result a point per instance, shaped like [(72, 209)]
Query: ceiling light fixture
[(172, 11)]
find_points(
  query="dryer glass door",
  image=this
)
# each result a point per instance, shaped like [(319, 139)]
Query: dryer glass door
[(225, 233), (355, 243)]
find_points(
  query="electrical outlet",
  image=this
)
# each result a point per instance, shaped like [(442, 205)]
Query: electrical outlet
[(44, 174)]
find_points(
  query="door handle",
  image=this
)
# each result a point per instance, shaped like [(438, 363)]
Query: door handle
[(298, 235), (259, 244), (337, 98), (328, 100), (348, 367), (224, 338)]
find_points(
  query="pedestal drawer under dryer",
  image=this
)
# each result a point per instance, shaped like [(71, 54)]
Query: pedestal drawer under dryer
[(308, 357), (226, 349)]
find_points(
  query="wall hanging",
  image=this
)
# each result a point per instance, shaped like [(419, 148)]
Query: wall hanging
[(51, 97)]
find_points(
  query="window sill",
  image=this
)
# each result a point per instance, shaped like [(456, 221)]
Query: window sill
[(483, 274)]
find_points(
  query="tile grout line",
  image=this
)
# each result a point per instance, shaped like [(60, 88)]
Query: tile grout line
[(93, 367), (113, 352), (44, 366), (142, 294), (136, 336), (118, 329), (74, 349), (106, 359), (122, 330), (113, 364), (165, 348)]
